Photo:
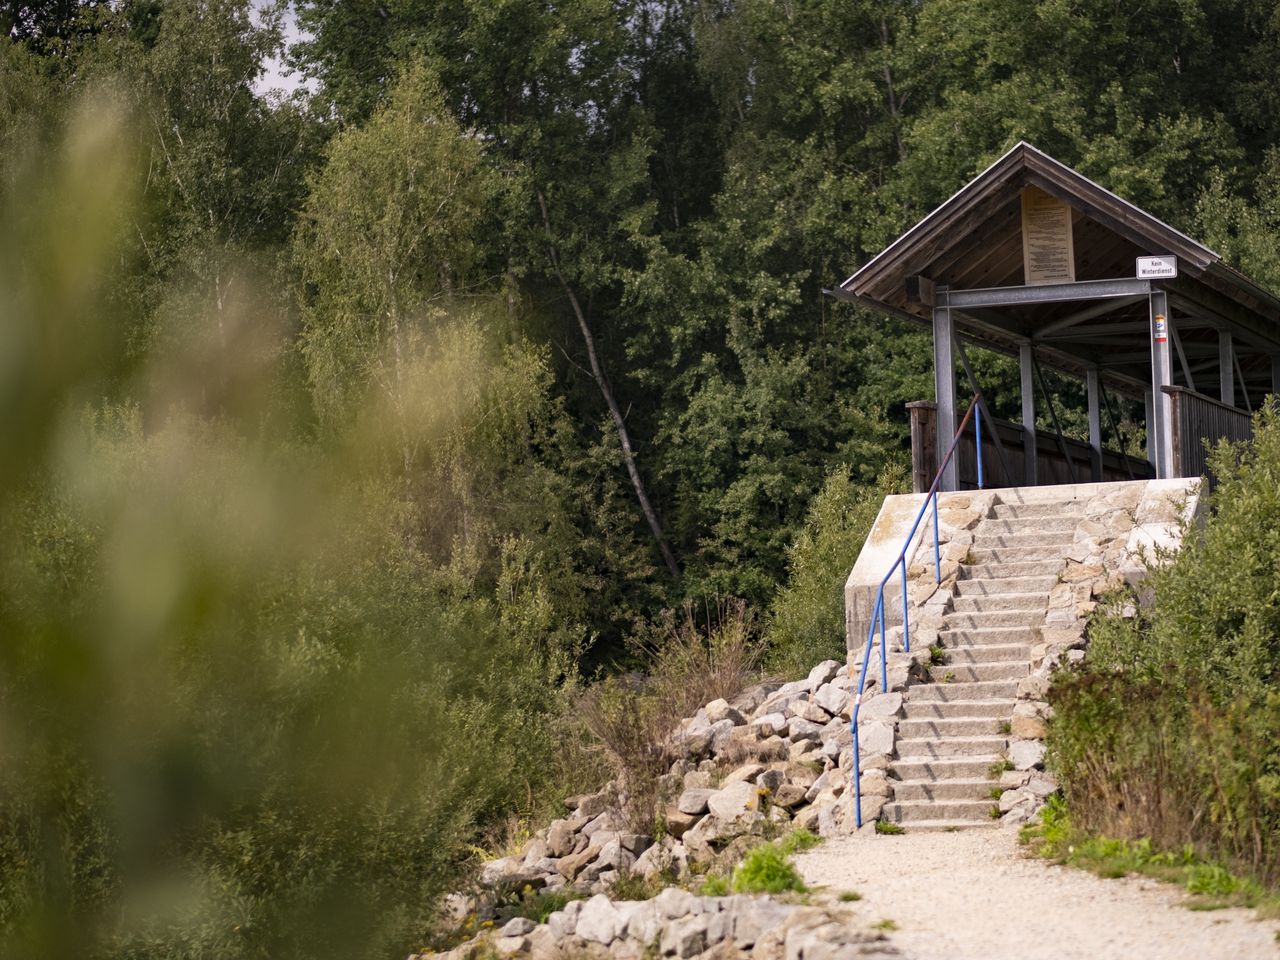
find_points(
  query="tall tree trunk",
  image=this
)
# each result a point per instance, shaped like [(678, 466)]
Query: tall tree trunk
[(602, 382), (894, 105)]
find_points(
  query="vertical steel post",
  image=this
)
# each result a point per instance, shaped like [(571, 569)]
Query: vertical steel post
[(1226, 369), (1026, 366), (1095, 423), (1161, 377), (944, 383), (1153, 435)]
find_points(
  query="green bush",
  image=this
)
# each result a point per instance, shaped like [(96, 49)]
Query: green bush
[(1171, 731)]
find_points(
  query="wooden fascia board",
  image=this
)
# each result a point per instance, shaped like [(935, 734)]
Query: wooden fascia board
[(896, 257)]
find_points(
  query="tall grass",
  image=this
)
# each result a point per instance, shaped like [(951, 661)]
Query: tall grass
[(688, 664)]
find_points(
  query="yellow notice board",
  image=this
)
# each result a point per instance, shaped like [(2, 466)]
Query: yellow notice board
[(1048, 255)]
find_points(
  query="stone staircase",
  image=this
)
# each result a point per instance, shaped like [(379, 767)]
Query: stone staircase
[(956, 727)]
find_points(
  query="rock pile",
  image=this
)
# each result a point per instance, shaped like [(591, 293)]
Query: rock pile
[(779, 756), (678, 924)]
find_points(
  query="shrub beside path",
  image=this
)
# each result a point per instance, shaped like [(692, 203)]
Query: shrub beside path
[(974, 895)]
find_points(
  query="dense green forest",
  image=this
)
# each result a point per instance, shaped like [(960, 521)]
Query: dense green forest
[(349, 434)]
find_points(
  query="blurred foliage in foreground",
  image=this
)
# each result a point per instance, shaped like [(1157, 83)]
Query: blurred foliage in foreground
[(1171, 729), (247, 709)]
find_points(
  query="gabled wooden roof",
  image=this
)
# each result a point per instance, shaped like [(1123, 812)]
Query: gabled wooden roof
[(974, 240)]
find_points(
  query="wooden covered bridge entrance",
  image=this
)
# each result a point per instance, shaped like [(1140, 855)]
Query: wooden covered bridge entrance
[(1037, 261)]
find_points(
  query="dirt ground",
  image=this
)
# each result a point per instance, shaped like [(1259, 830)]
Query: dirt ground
[(974, 895)]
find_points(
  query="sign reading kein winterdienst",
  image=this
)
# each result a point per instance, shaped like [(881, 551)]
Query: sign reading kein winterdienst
[(1153, 268), (1048, 255)]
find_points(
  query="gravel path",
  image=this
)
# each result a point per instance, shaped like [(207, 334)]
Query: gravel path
[(973, 895)]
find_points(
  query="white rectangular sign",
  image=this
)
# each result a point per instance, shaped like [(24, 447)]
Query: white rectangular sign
[(1157, 268)]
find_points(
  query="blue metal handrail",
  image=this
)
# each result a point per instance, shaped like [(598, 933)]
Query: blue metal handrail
[(878, 614)]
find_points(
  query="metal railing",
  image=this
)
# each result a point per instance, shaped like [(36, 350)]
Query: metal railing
[(878, 612)]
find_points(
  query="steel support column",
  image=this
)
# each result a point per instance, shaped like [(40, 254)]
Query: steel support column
[(1095, 424), (1161, 377), (1027, 365), (1149, 421), (1275, 374), (1226, 369), (944, 384)]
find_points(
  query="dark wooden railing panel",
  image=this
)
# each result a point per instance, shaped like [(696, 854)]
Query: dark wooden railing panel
[(1051, 466), (1199, 422)]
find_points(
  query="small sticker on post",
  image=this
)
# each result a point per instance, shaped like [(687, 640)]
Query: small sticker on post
[(1161, 328)]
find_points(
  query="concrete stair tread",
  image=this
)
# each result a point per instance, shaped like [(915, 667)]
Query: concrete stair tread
[(979, 671), (964, 690), (1036, 603), (1047, 508), (958, 782), (906, 811), (948, 826), (958, 704), (1003, 586), (992, 618), (1048, 538), (988, 653)]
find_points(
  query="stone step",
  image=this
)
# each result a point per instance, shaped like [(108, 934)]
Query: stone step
[(992, 618), (948, 768), (909, 810), (1029, 525), (953, 727), (953, 673), (904, 790), (1046, 508), (1010, 571), (952, 692), (1003, 586), (985, 603), (1015, 554), (984, 636), (948, 826), (931, 748), (1044, 539), (958, 709), (988, 653)]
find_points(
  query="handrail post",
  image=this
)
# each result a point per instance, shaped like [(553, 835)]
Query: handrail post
[(937, 555), (857, 764), (884, 659), (906, 630), (884, 673)]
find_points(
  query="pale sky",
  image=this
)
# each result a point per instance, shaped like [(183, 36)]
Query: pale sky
[(275, 77)]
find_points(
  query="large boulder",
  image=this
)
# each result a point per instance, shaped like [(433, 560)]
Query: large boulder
[(1026, 754), (824, 672), (694, 801), (600, 921), (733, 800), (718, 710)]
